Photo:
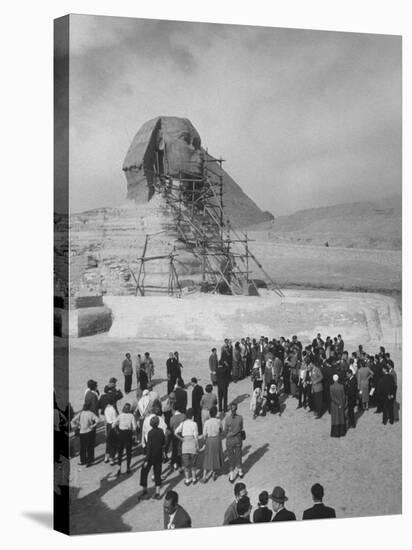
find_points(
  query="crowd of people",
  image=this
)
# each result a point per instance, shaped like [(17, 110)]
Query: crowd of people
[(321, 376), (239, 511)]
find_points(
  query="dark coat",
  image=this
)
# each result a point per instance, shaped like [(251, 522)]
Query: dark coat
[(284, 515), (92, 400), (196, 397), (386, 386), (104, 399), (319, 511), (338, 401), (351, 389), (223, 375), (262, 515), (181, 399), (173, 369), (181, 520), (155, 443)]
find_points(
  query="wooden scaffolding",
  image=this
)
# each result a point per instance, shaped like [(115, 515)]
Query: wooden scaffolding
[(223, 251)]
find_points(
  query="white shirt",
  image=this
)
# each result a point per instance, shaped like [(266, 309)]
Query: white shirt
[(110, 414), (187, 428)]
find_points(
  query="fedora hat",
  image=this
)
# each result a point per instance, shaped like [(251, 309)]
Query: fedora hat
[(279, 495)]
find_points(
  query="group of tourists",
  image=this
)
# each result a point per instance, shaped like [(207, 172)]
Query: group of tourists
[(321, 376)]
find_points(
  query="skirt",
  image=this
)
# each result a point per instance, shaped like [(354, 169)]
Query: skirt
[(213, 458)]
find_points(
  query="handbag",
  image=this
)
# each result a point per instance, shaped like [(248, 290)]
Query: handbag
[(243, 435)]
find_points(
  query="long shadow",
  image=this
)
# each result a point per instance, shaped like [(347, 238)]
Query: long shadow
[(239, 399), (254, 457), (90, 515)]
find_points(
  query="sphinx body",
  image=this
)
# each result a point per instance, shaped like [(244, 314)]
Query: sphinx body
[(106, 243)]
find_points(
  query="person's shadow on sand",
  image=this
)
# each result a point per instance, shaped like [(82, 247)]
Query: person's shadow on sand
[(254, 457)]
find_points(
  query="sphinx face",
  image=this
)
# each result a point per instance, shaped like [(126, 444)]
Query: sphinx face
[(180, 144), (165, 145)]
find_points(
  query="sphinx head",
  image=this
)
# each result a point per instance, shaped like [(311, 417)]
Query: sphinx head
[(163, 145)]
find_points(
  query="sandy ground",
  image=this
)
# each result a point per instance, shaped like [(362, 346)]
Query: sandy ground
[(361, 473), (329, 267)]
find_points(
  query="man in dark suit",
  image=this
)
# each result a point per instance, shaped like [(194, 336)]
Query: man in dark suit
[(262, 514), (213, 361), (127, 370), (173, 372), (181, 397), (91, 399), (197, 393), (222, 380), (386, 390), (351, 390), (318, 510), (175, 517), (279, 498), (243, 509), (154, 455)]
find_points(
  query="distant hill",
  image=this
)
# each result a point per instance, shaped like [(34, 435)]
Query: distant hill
[(376, 225)]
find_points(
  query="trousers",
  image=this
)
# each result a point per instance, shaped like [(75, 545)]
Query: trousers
[(111, 441), (125, 442), (234, 453), (222, 396), (127, 383), (157, 470), (387, 405), (87, 442)]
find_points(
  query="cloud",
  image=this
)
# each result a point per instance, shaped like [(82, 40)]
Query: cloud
[(304, 118)]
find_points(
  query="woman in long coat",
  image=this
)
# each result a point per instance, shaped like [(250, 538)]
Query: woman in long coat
[(213, 457), (337, 408), (363, 375)]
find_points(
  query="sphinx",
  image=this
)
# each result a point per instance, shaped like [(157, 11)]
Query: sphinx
[(172, 145)]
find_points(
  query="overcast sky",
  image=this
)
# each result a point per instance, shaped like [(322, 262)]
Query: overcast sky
[(303, 118)]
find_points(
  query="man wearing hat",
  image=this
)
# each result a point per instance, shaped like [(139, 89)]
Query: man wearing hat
[(318, 510), (279, 498)]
